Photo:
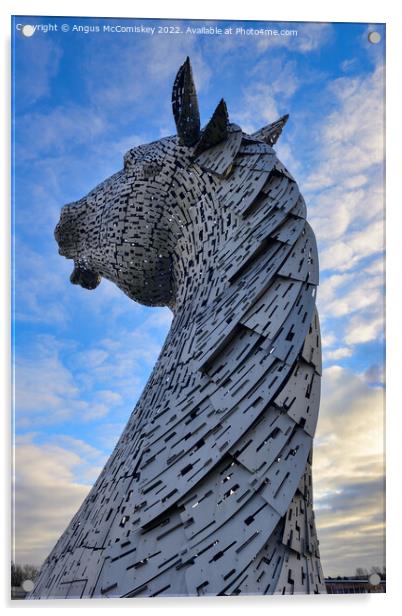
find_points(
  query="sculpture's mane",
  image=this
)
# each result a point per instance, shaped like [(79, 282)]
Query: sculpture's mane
[(262, 200), (254, 185)]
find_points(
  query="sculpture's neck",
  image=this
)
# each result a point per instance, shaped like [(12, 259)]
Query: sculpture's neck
[(198, 277), (200, 280), (202, 286)]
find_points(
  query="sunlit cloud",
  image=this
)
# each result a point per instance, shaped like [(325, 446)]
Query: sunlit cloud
[(349, 473), (46, 495)]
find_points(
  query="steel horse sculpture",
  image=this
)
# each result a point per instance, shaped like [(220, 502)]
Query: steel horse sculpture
[(208, 491)]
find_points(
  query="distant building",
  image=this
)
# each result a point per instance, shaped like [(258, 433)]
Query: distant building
[(344, 586)]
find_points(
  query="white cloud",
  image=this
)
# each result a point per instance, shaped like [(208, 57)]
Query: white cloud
[(62, 380), (283, 76), (344, 294), (328, 339), (109, 397), (364, 329), (355, 181), (29, 381), (345, 255), (337, 213), (108, 433), (162, 318), (339, 353), (45, 295), (329, 287), (93, 357), (359, 123), (376, 267), (351, 309), (122, 365)]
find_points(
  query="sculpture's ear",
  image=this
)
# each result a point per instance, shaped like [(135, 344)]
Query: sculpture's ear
[(185, 106), (215, 131), (271, 133)]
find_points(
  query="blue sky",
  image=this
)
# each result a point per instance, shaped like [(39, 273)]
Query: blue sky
[(82, 358)]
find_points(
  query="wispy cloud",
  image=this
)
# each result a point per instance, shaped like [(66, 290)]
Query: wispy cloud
[(345, 193), (50, 132), (351, 304), (40, 286), (343, 294), (60, 380), (345, 189), (346, 253), (122, 362), (47, 393), (263, 101), (117, 80), (36, 70), (311, 36)]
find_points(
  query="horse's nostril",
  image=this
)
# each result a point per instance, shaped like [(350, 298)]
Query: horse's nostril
[(85, 277)]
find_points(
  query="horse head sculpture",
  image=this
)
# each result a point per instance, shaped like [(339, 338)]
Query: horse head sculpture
[(208, 490)]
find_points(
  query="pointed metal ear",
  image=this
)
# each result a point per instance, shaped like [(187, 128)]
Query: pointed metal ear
[(185, 106), (215, 131), (271, 133)]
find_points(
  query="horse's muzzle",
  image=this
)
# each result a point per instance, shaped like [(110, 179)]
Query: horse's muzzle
[(86, 278)]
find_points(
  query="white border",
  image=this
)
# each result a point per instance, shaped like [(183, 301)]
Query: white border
[(293, 10)]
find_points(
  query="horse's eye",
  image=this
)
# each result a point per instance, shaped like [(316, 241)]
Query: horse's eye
[(142, 170), (149, 170)]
